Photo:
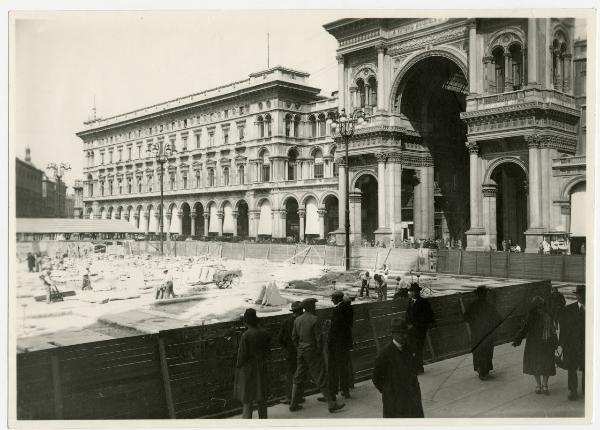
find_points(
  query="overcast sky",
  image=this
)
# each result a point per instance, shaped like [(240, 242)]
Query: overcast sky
[(131, 60)]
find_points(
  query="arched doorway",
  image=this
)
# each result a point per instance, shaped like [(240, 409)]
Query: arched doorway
[(228, 220), (367, 185), (580, 210), (331, 214), (213, 220), (265, 221), (186, 220), (432, 95), (311, 218), (199, 224), (511, 204), (242, 219), (292, 219)]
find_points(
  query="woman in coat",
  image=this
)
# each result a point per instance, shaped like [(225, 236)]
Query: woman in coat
[(538, 359), (251, 379)]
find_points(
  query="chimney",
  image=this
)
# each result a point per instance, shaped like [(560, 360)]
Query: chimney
[(28, 155)]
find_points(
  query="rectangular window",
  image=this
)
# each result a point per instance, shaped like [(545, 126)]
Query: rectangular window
[(102, 158), (139, 151), (226, 137), (184, 144), (197, 137), (139, 185), (184, 181), (129, 153), (266, 173), (110, 157), (336, 171), (120, 187), (120, 155), (241, 175), (318, 170), (198, 180), (211, 138), (150, 180), (241, 133), (172, 182)]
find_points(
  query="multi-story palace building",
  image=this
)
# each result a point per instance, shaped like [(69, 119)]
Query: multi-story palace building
[(474, 130)]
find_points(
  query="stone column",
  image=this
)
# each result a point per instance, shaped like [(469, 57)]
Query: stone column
[(394, 196), (157, 216), (253, 219), (167, 227), (472, 57), (353, 100), (383, 231), (234, 215), (534, 234), (355, 198), (380, 77), (341, 81), (301, 215), (417, 209), (206, 217), (475, 235), (546, 193), (180, 219), (322, 213), (532, 51), (146, 216), (367, 95), (487, 76), (567, 78), (193, 215), (220, 222), (429, 209), (341, 199), (279, 221), (508, 78), (489, 192)]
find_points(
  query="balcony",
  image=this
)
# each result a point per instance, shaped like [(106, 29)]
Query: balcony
[(569, 166), (520, 97)]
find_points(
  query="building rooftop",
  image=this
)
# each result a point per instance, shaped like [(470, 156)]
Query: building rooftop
[(71, 225)]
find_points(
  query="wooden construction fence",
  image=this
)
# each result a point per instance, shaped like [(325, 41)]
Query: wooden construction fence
[(189, 372), (561, 268)]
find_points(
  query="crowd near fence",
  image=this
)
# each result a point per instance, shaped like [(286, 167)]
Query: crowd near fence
[(189, 372), (559, 268)]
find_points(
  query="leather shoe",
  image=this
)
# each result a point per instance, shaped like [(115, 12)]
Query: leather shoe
[(295, 408), (286, 401), (321, 399), (336, 407)]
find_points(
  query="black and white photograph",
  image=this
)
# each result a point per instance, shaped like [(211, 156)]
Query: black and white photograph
[(292, 215)]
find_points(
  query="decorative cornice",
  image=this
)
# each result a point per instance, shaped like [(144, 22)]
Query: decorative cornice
[(532, 140), (489, 190), (472, 147)]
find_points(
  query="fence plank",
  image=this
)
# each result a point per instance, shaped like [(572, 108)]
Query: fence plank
[(165, 377)]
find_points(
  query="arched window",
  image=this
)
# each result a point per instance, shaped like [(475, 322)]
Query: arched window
[(120, 182), (211, 177), (150, 181), (516, 58), (296, 128), (90, 186), (312, 126), (129, 186), (198, 179), (318, 163), (292, 165), (561, 63), (362, 95), (139, 184), (261, 127), (372, 94), (498, 54), (268, 125), (265, 167), (110, 187), (101, 188), (241, 178), (172, 181), (225, 176), (184, 180), (288, 125), (322, 125)]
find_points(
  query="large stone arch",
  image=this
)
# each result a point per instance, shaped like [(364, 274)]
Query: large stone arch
[(260, 200), (326, 195), (448, 52), (306, 196), (285, 199), (565, 191), (356, 176), (487, 178)]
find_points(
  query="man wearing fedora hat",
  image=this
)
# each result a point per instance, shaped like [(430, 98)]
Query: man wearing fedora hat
[(291, 354), (395, 376), (251, 382), (340, 343), (572, 341), (419, 317), (307, 337)]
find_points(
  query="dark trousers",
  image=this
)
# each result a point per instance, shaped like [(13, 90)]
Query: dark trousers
[(572, 381), (290, 370), (364, 287), (262, 410), (417, 344), (338, 364), (310, 363)]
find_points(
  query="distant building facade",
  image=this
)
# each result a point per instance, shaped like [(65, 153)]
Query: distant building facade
[(37, 196), (474, 132)]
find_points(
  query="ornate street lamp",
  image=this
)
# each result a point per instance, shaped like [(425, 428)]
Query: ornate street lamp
[(345, 126), (59, 170), (162, 151)]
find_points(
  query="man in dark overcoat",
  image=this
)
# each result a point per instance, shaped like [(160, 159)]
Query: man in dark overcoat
[(572, 341), (419, 317), (307, 337), (483, 320), (290, 352), (395, 376), (339, 345), (251, 374)]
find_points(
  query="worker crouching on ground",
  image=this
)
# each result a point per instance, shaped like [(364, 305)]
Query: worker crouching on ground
[(251, 373), (395, 376), (307, 338)]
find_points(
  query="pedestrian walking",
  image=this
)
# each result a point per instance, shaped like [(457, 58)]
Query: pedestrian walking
[(38, 261), (30, 261), (364, 284), (395, 376), (419, 317), (340, 343), (48, 284), (483, 320), (291, 354), (251, 383), (381, 286), (538, 358), (307, 336), (572, 341), (556, 306)]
